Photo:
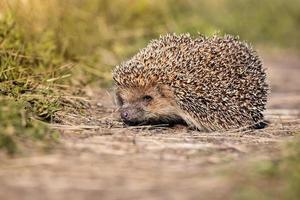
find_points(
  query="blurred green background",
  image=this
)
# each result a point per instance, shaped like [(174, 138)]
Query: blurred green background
[(99, 34)]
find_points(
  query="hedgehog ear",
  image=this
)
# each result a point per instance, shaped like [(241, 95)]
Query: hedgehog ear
[(118, 99), (160, 90), (164, 90)]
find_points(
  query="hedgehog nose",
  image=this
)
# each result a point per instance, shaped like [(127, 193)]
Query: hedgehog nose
[(125, 115)]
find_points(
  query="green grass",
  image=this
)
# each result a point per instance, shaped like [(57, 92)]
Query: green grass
[(20, 133), (28, 74)]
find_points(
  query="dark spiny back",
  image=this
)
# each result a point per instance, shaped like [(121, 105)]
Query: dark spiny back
[(218, 81)]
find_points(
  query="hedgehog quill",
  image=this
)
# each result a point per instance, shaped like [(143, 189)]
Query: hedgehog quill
[(210, 83)]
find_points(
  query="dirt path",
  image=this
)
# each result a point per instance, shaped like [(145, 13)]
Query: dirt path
[(100, 159)]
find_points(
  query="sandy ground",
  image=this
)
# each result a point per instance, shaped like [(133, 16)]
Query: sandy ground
[(100, 159)]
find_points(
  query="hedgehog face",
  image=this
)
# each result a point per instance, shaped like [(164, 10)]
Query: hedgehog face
[(148, 106)]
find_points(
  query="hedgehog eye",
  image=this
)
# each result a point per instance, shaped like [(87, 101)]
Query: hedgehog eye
[(147, 98)]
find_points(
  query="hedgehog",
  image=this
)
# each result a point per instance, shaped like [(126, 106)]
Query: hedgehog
[(209, 83)]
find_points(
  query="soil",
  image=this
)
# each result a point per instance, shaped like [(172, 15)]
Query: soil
[(100, 158)]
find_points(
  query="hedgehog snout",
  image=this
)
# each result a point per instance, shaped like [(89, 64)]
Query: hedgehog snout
[(131, 115), (125, 115)]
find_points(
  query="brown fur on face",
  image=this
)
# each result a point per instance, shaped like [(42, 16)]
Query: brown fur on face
[(152, 105)]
